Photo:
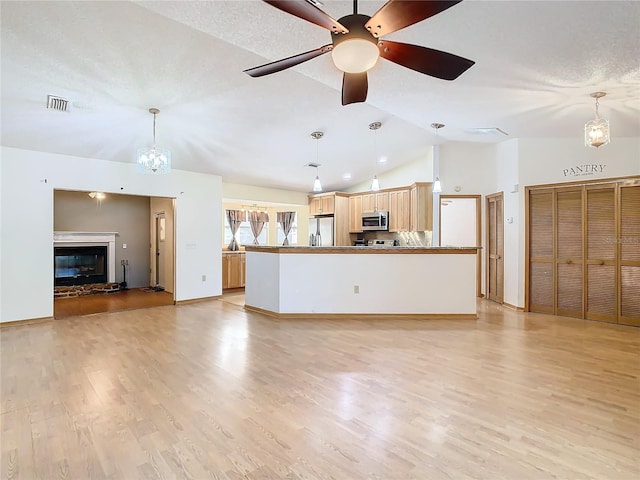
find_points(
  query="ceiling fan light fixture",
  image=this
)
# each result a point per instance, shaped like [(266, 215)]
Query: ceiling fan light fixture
[(355, 56), (596, 131)]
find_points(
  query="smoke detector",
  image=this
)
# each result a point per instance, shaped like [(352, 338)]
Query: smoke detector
[(58, 103)]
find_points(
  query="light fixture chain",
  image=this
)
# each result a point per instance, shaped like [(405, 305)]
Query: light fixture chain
[(154, 129)]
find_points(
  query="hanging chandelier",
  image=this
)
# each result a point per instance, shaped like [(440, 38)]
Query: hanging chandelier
[(596, 131), (154, 160)]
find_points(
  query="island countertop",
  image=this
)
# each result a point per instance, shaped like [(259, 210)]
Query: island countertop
[(301, 281), (361, 249)]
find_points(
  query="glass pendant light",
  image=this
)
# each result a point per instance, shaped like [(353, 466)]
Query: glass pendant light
[(317, 186), (154, 160), (596, 132), (437, 187), (375, 184)]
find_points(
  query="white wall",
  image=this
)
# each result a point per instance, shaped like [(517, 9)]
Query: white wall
[(418, 170), (27, 181), (507, 179)]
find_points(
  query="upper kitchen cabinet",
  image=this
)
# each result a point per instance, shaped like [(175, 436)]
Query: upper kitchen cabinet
[(355, 214), (421, 207), (375, 202), (336, 204), (400, 210), (322, 204)]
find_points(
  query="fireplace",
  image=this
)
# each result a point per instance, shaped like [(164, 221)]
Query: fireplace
[(80, 265), (96, 248)]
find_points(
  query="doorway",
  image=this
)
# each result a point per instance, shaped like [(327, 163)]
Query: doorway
[(495, 247), (460, 226)]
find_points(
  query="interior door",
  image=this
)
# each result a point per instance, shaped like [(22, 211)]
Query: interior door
[(160, 251), (541, 251), (569, 235), (495, 248), (629, 247), (601, 291)]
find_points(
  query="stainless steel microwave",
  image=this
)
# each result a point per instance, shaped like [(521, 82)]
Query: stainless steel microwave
[(375, 221)]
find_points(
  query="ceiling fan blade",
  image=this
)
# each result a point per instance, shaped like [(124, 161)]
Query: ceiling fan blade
[(425, 60), (288, 62), (397, 14), (354, 87), (304, 10)]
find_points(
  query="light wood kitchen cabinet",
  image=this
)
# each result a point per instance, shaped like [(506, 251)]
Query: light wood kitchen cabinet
[(400, 210), (375, 202), (421, 207), (233, 270), (336, 204), (355, 214), (322, 204)]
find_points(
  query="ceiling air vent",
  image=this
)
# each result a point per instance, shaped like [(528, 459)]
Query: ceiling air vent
[(58, 103), (312, 164), (486, 131)]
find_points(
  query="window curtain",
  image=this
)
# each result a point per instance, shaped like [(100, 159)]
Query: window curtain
[(286, 219), (257, 221), (235, 218)]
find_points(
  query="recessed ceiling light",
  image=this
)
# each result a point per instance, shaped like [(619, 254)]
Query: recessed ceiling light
[(382, 160), (346, 176)]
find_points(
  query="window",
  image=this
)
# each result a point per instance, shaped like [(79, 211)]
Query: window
[(245, 235), (293, 233)]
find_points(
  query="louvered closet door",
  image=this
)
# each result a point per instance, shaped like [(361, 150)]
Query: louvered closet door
[(541, 289), (569, 253), (629, 247), (601, 301), (495, 227)]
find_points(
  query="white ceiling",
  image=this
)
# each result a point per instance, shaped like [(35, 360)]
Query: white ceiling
[(536, 64)]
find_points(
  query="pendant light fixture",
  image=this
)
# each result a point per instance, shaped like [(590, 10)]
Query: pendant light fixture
[(375, 184), (154, 160), (437, 188), (317, 186), (596, 132)]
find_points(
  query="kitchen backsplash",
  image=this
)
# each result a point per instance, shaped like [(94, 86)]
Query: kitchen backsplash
[(409, 239)]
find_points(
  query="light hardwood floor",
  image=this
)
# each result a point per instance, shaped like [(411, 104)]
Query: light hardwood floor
[(210, 391)]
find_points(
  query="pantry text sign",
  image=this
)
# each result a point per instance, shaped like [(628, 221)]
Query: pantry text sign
[(582, 170)]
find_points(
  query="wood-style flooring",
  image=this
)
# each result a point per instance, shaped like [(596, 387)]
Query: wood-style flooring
[(110, 302), (211, 391)]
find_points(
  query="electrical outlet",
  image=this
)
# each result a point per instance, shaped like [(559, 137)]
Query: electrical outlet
[(204, 278), (356, 289), (124, 245)]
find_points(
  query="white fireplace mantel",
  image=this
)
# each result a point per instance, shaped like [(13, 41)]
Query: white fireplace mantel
[(91, 239)]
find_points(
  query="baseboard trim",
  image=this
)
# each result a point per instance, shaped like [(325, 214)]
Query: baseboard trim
[(197, 300), (29, 321), (513, 307), (363, 316)]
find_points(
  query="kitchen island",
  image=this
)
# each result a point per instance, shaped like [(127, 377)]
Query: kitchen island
[(305, 282)]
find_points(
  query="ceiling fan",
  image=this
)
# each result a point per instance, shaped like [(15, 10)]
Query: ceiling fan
[(357, 44)]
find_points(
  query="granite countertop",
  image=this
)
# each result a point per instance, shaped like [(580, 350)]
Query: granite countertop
[(359, 249)]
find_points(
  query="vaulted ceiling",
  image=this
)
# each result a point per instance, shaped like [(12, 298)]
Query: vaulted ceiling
[(536, 64)]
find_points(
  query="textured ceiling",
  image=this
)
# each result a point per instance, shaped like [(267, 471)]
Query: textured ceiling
[(536, 64)]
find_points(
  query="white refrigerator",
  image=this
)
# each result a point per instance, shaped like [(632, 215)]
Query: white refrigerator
[(321, 231)]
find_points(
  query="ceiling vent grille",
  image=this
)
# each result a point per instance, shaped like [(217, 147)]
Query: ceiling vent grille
[(58, 103), (312, 164)]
